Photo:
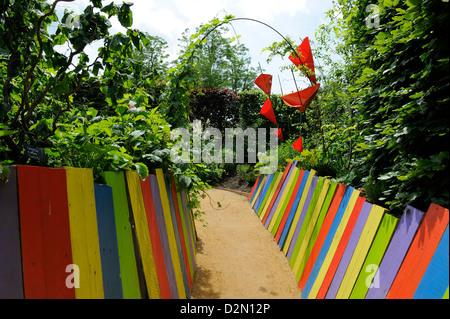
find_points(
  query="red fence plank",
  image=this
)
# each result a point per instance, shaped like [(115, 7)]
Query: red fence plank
[(322, 235), (156, 239), (45, 230), (420, 253)]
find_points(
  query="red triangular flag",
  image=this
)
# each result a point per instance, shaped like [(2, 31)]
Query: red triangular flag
[(298, 145), (267, 111), (278, 133), (264, 82), (304, 51), (301, 99)]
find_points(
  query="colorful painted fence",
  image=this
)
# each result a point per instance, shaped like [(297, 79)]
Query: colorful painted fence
[(63, 236), (340, 246)]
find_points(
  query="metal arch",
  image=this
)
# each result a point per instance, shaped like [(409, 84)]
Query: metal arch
[(257, 21)]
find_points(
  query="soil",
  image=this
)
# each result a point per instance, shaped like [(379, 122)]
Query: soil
[(237, 258), (233, 182)]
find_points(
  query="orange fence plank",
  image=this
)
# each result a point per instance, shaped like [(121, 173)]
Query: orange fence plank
[(420, 253)]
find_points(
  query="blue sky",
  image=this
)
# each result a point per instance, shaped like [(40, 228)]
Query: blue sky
[(169, 18)]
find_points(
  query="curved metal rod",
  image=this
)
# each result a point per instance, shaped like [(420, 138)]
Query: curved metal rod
[(290, 45), (260, 22)]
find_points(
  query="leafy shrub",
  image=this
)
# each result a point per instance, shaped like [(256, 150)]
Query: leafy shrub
[(246, 172)]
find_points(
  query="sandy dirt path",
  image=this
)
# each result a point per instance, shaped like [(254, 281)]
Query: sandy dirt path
[(237, 257)]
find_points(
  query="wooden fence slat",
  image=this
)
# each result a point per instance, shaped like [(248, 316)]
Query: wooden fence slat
[(258, 180), (276, 193), (345, 250), (291, 213), (395, 253), (178, 236), (308, 208), (127, 259), (143, 234), (258, 190), (334, 244), (181, 229), (47, 248), (304, 235), (297, 214), (171, 234), (155, 239), (269, 191), (264, 192), (275, 182), (321, 237), (164, 237), (289, 205), (373, 259), (186, 232), (312, 233), (192, 234), (109, 252), (360, 253), (327, 242), (280, 210), (435, 278), (84, 232), (11, 283), (420, 253)]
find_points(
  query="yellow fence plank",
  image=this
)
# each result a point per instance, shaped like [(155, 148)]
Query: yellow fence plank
[(84, 232), (143, 234), (261, 186), (281, 204), (290, 234), (272, 192), (171, 234), (360, 253), (334, 244), (303, 243)]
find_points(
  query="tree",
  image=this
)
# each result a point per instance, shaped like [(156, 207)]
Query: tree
[(221, 62), (154, 55)]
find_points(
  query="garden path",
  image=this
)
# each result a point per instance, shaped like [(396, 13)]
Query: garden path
[(237, 258)]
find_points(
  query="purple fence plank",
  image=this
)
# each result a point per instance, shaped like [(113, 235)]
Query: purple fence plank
[(280, 194), (302, 216), (262, 194), (395, 253), (188, 228), (348, 253), (164, 237), (11, 284)]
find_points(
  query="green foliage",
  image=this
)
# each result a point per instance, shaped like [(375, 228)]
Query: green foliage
[(246, 173), (380, 120), (216, 108), (134, 139), (402, 108), (4, 173), (77, 107), (39, 82)]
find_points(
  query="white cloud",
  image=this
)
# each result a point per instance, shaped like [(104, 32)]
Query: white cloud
[(269, 10)]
